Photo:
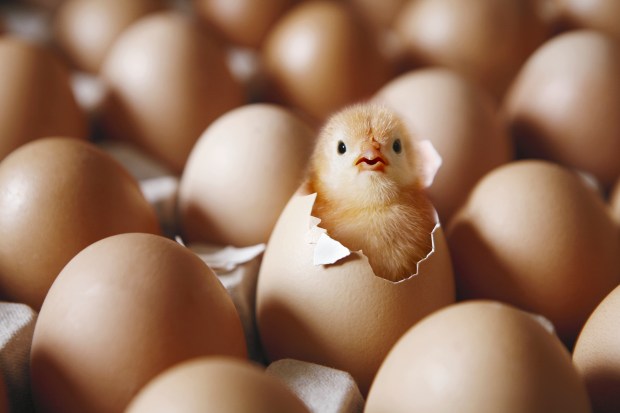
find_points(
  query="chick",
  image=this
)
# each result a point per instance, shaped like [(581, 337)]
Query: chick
[(370, 195)]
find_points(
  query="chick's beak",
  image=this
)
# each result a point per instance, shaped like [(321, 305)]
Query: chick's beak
[(371, 159)]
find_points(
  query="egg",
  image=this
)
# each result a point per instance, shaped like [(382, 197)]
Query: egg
[(563, 105), (86, 29), (57, 196), (487, 40), (168, 81), (198, 385), (243, 22), (478, 356), (532, 234), (596, 354), (320, 57), (340, 315), (615, 202), (460, 119), (378, 14), (122, 311), (602, 15), (35, 96), (241, 173)]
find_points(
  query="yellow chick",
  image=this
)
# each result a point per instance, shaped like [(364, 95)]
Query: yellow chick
[(370, 195)]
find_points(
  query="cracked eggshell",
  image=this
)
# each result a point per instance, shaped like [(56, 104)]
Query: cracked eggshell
[(339, 315)]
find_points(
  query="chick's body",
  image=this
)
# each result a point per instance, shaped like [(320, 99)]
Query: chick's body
[(369, 193)]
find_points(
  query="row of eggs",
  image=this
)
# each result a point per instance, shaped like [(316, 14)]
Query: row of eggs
[(554, 228)]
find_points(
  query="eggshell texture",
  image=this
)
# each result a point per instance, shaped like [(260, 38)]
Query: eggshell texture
[(597, 354), (35, 96), (168, 81), (460, 119), (241, 174), (201, 385), (340, 315), (563, 106), (123, 310), (534, 235), (86, 29), (478, 357), (243, 22), (602, 15), (320, 57), (487, 40), (57, 196)]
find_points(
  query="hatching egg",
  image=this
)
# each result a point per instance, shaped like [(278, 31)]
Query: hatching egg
[(340, 315), (35, 96), (487, 40), (57, 196), (597, 354), (199, 385), (564, 103), (460, 119), (243, 22), (320, 57), (168, 81), (478, 356), (122, 311), (86, 29), (532, 234), (241, 174), (602, 15)]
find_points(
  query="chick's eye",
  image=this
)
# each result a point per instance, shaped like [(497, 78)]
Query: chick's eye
[(342, 148), (397, 146)]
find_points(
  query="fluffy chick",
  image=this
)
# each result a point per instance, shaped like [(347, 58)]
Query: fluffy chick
[(370, 197)]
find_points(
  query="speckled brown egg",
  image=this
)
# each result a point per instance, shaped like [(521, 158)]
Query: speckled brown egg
[(597, 354), (487, 40), (168, 81), (233, 385), (564, 103), (57, 196), (320, 57), (86, 29), (35, 96), (478, 356), (243, 22), (241, 174), (532, 234), (460, 119), (122, 311)]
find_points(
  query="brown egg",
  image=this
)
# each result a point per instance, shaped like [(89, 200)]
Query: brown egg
[(478, 356), (487, 40), (168, 81), (563, 106), (597, 354), (602, 15), (86, 29), (461, 121), (122, 311), (379, 14), (532, 234), (340, 315), (614, 201), (35, 96), (198, 385), (241, 174), (57, 196), (243, 22), (320, 57)]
